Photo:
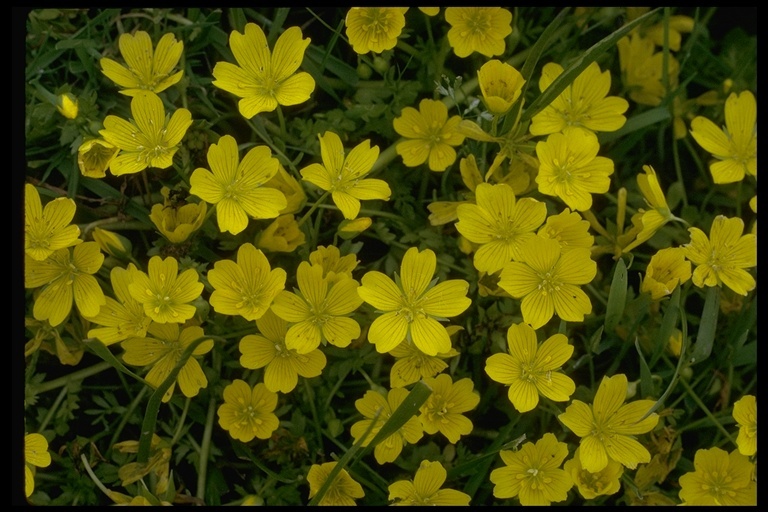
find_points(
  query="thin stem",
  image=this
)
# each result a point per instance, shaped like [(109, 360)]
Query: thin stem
[(178, 433), (126, 417), (205, 449), (53, 409), (706, 410), (72, 377), (314, 207)]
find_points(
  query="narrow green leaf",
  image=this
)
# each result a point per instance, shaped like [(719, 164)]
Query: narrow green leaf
[(667, 325), (101, 350), (617, 297), (646, 382), (106, 191), (635, 123), (705, 338)]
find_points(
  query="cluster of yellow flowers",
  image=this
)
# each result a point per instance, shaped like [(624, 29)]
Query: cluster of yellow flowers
[(505, 223)]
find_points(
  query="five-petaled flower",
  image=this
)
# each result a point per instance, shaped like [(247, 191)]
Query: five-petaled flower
[(264, 80), (719, 478), (569, 229), (734, 147), (246, 287), (374, 29), (147, 69), (500, 85), (343, 491), (547, 279), (163, 349), (642, 69), (607, 427), (237, 187), (591, 485), (443, 410), (344, 176), (530, 369), (412, 365), (94, 157), (164, 293), (425, 489), (282, 365), (413, 306), (667, 269), (478, 29), (533, 473), (150, 139), (430, 135), (745, 414), (248, 412), (722, 259), (46, 230)]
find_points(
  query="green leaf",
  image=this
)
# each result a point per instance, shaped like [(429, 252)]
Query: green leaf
[(667, 325), (106, 191), (646, 381), (101, 350), (648, 118), (617, 297), (705, 338)]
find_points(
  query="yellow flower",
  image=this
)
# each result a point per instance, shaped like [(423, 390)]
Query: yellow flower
[(374, 403), (349, 229), (425, 489), (149, 139), (533, 473), (667, 269), (745, 414), (113, 244), (719, 478), (411, 364), (94, 157), (282, 365), (570, 168), (248, 412), (334, 265), (344, 176), (429, 135), (122, 318), (246, 288), (443, 410), (722, 259), (291, 189), (319, 311), (547, 279), (585, 103), (147, 69), (265, 80), (46, 230), (237, 187), (35, 455), (607, 427), (282, 235), (67, 277), (530, 369), (430, 11), (642, 69), (67, 105), (591, 485), (163, 350), (177, 223), (343, 491), (677, 25), (411, 308), (478, 29), (164, 293), (735, 146), (499, 223), (500, 85), (374, 29), (569, 229)]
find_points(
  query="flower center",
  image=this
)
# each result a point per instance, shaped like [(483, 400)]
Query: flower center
[(549, 283)]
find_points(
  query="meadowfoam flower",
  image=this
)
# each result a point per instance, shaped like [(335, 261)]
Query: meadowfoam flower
[(500, 85), (236, 187), (162, 349), (248, 412), (343, 491), (177, 223), (745, 414), (334, 265), (291, 189), (430, 135), (67, 276), (411, 364), (413, 304), (113, 244), (425, 489), (282, 365), (374, 29), (443, 410), (150, 139), (642, 69), (478, 29), (344, 176), (164, 293), (246, 287), (46, 230), (264, 80), (319, 310), (373, 403), (499, 223), (722, 259), (531, 370), (35, 455), (282, 235), (569, 229), (122, 318), (570, 168), (591, 485), (584, 103), (148, 69), (547, 279), (735, 146), (719, 478), (67, 105), (607, 427), (677, 25), (94, 157), (667, 269), (533, 474)]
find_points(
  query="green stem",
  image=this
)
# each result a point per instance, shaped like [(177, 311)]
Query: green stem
[(72, 377), (706, 410), (313, 410), (679, 169), (314, 207), (205, 449), (95, 479), (126, 417), (178, 433), (281, 120), (53, 409)]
